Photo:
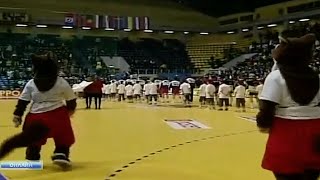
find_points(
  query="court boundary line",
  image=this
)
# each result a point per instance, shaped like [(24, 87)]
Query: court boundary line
[(246, 119), (123, 168), (5, 126)]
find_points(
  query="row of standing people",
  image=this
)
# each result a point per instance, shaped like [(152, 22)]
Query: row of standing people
[(223, 95), (208, 92), (150, 91)]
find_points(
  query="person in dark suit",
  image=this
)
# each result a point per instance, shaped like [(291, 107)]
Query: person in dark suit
[(97, 92), (94, 90), (88, 94)]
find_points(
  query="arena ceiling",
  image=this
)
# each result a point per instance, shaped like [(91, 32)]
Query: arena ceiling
[(219, 8)]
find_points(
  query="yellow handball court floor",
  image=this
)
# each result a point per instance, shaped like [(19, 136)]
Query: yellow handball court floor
[(125, 141)]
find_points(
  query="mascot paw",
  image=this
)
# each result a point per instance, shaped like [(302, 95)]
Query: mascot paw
[(264, 130), (17, 120)]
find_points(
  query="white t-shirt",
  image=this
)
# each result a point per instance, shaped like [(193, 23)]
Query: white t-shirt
[(113, 88), (185, 88), (153, 89), (174, 84), (202, 90), (129, 81), (259, 89), (210, 91), (121, 82), (137, 89), (121, 89), (224, 91), (146, 89), (275, 89), (157, 82), (129, 90), (165, 83), (107, 89), (240, 91), (191, 80), (49, 100), (251, 89)]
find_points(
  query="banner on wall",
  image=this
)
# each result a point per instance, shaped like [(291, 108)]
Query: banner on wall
[(14, 17), (9, 94)]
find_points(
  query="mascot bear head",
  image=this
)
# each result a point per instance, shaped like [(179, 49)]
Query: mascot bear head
[(292, 57), (46, 70), (295, 51)]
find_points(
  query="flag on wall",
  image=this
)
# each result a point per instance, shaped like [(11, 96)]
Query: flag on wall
[(136, 23), (86, 21), (69, 20), (89, 21), (111, 22), (141, 23), (99, 21), (106, 22), (130, 23), (122, 22), (116, 22), (146, 23)]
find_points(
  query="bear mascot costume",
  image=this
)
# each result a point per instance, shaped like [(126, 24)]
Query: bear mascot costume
[(290, 112), (53, 102)]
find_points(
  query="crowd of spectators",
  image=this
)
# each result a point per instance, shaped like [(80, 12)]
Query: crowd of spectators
[(259, 66), (81, 57)]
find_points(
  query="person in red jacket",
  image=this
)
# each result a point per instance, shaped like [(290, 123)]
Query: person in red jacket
[(95, 90), (98, 85)]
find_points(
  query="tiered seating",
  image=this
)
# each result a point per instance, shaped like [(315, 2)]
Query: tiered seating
[(61, 48), (85, 54), (260, 65), (92, 48), (244, 44), (15, 64), (153, 54), (15, 68), (201, 54)]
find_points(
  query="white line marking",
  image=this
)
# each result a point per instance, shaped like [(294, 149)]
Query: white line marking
[(247, 119)]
